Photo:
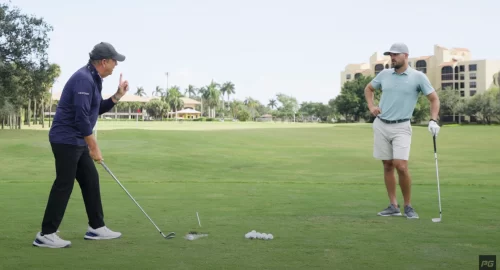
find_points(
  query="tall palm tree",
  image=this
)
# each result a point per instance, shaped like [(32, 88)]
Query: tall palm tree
[(227, 88), (140, 91), (272, 103), (213, 97), (191, 90), (157, 92), (173, 98), (202, 91)]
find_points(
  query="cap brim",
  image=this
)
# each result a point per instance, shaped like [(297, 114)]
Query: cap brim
[(119, 57), (389, 52)]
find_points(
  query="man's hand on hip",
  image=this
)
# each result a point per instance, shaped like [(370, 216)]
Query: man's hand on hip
[(434, 127), (375, 110)]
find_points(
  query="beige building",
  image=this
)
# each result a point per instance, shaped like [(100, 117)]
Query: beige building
[(453, 68)]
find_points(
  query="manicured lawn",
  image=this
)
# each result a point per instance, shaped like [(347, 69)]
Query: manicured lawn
[(316, 188)]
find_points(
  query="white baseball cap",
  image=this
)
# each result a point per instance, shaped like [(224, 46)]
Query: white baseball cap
[(397, 48)]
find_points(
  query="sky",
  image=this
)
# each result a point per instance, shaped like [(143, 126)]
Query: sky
[(266, 47)]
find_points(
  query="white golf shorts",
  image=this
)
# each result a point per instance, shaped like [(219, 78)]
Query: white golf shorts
[(391, 141)]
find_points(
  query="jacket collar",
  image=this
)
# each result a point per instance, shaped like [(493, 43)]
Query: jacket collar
[(95, 75)]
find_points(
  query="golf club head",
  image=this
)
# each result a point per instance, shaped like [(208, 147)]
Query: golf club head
[(436, 219), (168, 236)]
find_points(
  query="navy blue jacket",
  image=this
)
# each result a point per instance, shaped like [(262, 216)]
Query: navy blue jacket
[(79, 107)]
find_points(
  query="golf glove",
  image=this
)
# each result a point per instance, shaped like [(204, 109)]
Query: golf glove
[(434, 127)]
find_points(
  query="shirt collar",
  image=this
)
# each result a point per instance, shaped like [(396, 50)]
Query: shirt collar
[(406, 72)]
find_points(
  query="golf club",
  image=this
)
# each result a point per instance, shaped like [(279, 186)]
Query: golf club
[(168, 236), (437, 177)]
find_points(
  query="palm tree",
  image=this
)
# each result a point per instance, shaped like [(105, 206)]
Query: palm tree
[(227, 88), (212, 95), (191, 90), (272, 103), (251, 104), (140, 91), (158, 91), (173, 98)]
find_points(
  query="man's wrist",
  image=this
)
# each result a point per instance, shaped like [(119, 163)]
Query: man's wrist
[(116, 97)]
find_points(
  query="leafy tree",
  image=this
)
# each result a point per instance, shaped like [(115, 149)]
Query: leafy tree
[(352, 103), (173, 98), (315, 110), (484, 106), (243, 115), (157, 108), (422, 109), (449, 101), (23, 56), (289, 105)]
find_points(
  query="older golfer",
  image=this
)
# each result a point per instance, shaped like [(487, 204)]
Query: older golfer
[(75, 148), (392, 129)]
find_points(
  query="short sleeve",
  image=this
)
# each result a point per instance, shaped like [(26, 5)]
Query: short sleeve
[(377, 81), (425, 85)]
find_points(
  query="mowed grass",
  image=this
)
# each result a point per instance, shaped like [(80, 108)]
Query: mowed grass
[(317, 189)]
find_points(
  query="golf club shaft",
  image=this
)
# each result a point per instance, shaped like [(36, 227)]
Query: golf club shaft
[(116, 179), (437, 175)]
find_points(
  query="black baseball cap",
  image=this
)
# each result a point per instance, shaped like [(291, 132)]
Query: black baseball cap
[(105, 50)]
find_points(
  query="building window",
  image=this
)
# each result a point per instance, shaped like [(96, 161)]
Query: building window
[(447, 73), (378, 68), (456, 86), (472, 84), (472, 67), (462, 68), (445, 86), (472, 76), (462, 85), (462, 93), (387, 66), (348, 76), (472, 92), (421, 66), (462, 77), (357, 75)]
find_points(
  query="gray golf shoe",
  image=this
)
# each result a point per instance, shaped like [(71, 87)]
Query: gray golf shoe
[(410, 212), (391, 210)]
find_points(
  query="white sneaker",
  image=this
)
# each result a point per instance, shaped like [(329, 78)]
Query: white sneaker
[(50, 240), (101, 234)]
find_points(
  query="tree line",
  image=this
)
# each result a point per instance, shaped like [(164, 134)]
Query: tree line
[(25, 73), (483, 107), (26, 78)]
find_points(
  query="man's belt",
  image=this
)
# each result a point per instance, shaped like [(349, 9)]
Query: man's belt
[(393, 121)]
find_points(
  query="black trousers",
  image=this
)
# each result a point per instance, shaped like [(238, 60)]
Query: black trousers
[(73, 162)]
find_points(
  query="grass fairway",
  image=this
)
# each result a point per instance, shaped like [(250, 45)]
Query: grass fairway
[(316, 189)]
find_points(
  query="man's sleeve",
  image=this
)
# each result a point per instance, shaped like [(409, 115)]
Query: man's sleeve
[(377, 81), (82, 99), (425, 85), (106, 105)]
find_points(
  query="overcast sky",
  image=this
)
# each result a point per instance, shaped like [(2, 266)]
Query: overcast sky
[(263, 47)]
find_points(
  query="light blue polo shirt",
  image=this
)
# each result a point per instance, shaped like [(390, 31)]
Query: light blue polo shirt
[(400, 92)]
